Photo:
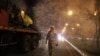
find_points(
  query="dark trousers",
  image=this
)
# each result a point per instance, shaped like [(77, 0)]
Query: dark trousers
[(50, 49)]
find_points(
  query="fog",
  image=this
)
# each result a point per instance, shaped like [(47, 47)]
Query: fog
[(54, 12)]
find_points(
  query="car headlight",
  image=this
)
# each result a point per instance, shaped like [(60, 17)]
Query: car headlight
[(60, 37)]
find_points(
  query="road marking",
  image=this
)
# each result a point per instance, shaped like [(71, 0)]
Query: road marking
[(82, 54)]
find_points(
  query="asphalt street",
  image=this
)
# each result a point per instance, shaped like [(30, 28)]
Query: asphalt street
[(63, 49)]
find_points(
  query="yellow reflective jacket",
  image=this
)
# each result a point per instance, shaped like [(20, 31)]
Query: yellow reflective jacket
[(27, 20)]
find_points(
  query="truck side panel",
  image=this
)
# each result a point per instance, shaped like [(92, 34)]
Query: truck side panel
[(4, 18)]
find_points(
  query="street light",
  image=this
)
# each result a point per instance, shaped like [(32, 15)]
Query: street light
[(77, 25), (66, 24), (63, 30), (70, 12), (95, 13), (73, 28)]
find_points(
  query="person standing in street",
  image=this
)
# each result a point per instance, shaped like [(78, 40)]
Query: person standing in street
[(52, 40)]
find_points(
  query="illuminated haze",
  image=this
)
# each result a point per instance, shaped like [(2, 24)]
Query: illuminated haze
[(54, 12)]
